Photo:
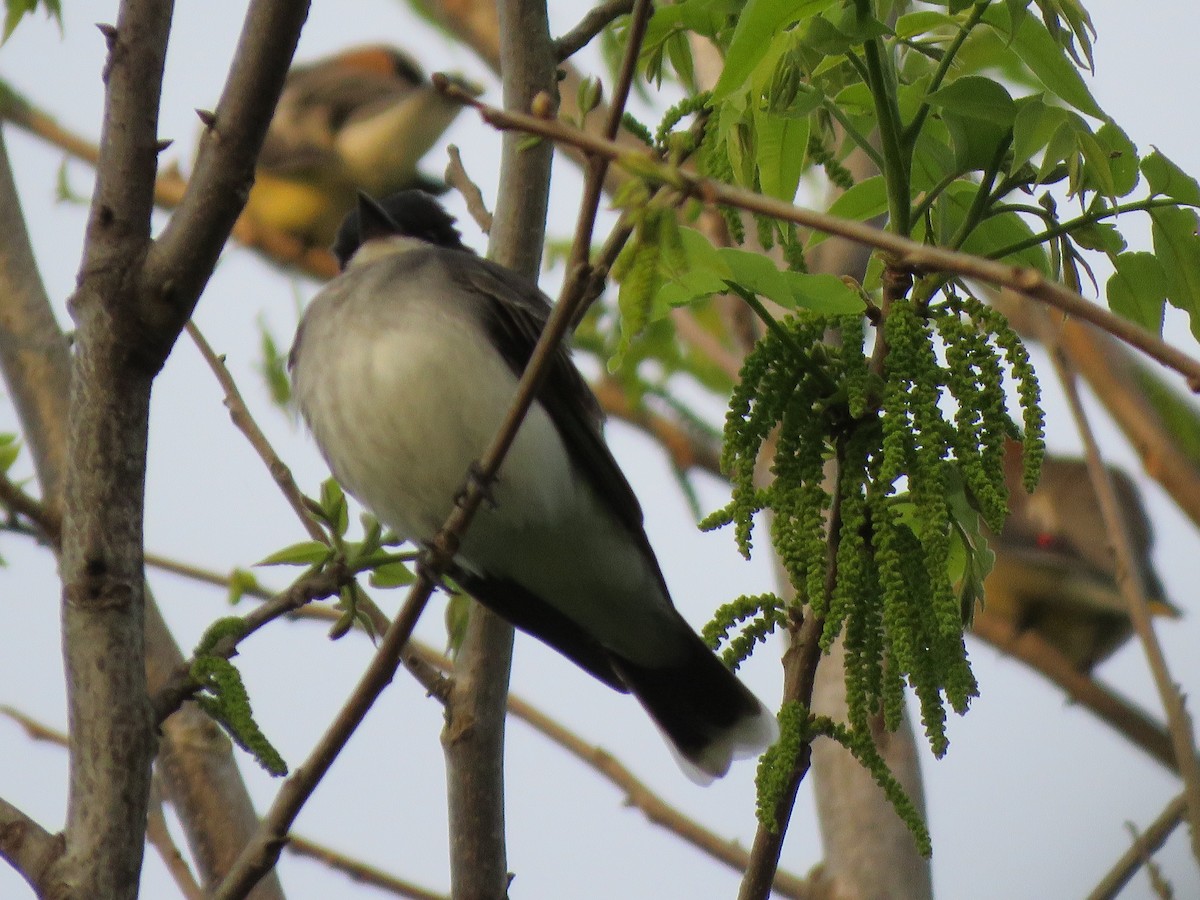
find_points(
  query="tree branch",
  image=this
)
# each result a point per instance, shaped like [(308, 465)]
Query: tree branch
[(195, 759), (594, 21), (125, 330), (28, 847), (1133, 591), (917, 257), (33, 350), (799, 678), (182, 259), (359, 871), (158, 835), (1116, 377), (1144, 845), (473, 739), (112, 736)]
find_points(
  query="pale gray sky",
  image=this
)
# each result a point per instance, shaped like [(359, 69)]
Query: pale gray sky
[(1030, 801)]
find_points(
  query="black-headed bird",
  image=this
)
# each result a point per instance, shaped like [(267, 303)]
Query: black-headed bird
[(1055, 569), (359, 120), (404, 367)]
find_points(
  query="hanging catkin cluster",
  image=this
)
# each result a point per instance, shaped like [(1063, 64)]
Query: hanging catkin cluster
[(906, 445)]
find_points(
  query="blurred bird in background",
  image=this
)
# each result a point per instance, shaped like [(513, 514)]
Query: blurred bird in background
[(1056, 570), (360, 120)]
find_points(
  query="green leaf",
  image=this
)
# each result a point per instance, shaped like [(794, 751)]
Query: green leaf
[(391, 575), (273, 367), (825, 294), (782, 148), (1178, 250), (976, 97), (1137, 289), (16, 10), (458, 616), (758, 273), (976, 141), (241, 582), (1033, 126), (1046, 59), (333, 507), (1101, 236), (836, 39), (10, 449), (862, 202), (759, 22), (921, 23), (1166, 178), (1110, 161), (306, 553)]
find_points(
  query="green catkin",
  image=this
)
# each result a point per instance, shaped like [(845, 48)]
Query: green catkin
[(631, 124), (227, 703), (993, 322), (890, 600), (757, 616), (715, 164), (776, 765), (672, 117), (820, 154), (860, 744)]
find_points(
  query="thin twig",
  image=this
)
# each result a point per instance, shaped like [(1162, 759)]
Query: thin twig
[(27, 846), (360, 871), (1133, 591), (313, 585), (596, 20), (159, 837), (596, 165), (240, 414), (34, 729), (909, 254), (799, 675), (457, 177), (1140, 851)]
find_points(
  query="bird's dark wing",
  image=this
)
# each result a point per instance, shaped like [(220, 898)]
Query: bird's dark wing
[(516, 313)]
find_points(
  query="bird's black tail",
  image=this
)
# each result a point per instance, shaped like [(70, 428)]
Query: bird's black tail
[(707, 714)]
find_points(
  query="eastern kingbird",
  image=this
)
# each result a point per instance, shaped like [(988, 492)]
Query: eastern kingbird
[(359, 120), (404, 367)]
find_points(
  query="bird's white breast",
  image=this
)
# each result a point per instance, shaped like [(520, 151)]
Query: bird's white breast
[(405, 394)]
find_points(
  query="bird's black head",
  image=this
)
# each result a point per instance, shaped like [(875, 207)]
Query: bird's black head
[(412, 214)]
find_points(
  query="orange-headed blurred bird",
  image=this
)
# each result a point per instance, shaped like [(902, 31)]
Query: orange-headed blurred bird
[(359, 120)]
